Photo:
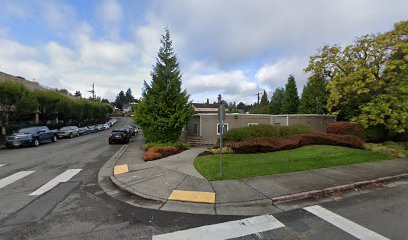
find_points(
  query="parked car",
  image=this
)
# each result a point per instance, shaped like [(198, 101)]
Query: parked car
[(68, 131), (92, 129), (99, 127), (84, 131), (135, 128), (119, 135), (129, 130), (106, 126), (32, 136)]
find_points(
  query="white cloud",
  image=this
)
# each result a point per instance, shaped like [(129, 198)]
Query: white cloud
[(59, 16), (110, 14), (13, 49)]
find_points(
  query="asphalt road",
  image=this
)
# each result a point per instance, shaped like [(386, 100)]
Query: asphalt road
[(76, 208)]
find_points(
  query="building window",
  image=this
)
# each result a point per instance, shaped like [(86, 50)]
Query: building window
[(195, 128), (219, 128), (252, 124)]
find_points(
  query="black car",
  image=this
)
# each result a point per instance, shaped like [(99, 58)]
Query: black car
[(130, 131), (119, 136), (32, 136), (84, 131)]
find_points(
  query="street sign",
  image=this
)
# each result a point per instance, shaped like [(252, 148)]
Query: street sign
[(221, 113)]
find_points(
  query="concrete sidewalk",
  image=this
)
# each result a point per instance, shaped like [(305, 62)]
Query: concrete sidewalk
[(157, 180)]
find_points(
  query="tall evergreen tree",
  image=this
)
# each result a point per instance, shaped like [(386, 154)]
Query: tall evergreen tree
[(128, 96), (78, 94), (165, 108), (314, 97), (290, 103), (275, 105), (120, 100)]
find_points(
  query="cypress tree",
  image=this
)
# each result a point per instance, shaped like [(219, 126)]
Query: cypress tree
[(165, 108), (290, 103), (275, 106), (314, 97)]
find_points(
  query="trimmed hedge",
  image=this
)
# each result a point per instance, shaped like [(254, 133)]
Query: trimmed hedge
[(261, 145), (149, 156), (346, 128), (263, 131), (179, 145)]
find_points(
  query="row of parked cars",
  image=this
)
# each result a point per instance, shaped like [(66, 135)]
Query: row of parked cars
[(34, 136), (123, 135)]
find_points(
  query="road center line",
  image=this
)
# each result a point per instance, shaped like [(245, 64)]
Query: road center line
[(225, 230), (2, 165), (63, 177), (344, 224), (14, 177)]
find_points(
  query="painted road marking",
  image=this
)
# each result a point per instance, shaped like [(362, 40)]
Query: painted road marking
[(191, 196), (344, 224), (225, 230), (2, 165), (63, 177), (119, 169), (14, 177)]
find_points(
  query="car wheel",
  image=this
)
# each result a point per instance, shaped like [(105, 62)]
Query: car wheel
[(54, 139), (71, 135), (78, 134), (36, 142)]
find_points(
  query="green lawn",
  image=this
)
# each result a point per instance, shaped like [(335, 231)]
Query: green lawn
[(300, 159)]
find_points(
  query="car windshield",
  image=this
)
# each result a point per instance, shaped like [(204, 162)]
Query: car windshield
[(28, 130), (65, 128)]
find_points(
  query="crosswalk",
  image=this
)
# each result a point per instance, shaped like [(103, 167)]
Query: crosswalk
[(259, 224), (18, 176)]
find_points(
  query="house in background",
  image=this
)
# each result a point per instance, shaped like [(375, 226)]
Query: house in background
[(204, 128)]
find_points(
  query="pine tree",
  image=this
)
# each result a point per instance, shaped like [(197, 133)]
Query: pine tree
[(275, 106), (290, 103), (128, 96), (165, 108), (120, 100), (314, 97)]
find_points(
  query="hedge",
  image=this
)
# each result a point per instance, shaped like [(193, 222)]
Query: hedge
[(156, 151), (179, 145), (260, 145), (263, 131), (346, 128)]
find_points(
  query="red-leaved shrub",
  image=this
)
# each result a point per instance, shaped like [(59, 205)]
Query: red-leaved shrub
[(271, 145), (165, 151), (149, 156), (346, 128)]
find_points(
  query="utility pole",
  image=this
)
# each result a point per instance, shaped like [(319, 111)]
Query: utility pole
[(93, 91), (259, 94)]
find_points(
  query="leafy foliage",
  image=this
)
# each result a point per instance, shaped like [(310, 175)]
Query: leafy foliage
[(346, 128), (165, 109), (368, 80)]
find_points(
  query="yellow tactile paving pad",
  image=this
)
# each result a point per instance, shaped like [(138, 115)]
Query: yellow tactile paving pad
[(190, 196), (120, 169)]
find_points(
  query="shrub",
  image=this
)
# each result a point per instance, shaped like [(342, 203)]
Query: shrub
[(164, 151), (270, 145), (398, 150), (149, 156), (346, 128), (179, 145), (263, 131), (225, 150)]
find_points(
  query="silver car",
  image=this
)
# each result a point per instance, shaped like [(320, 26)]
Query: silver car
[(68, 131)]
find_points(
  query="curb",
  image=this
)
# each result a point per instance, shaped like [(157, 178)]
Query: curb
[(331, 190)]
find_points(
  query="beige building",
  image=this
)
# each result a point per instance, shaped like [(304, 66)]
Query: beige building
[(204, 129)]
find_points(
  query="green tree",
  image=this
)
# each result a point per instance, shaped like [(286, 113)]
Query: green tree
[(104, 100), (165, 108), (314, 97), (290, 102), (367, 79), (78, 94), (275, 105), (120, 100), (128, 96)]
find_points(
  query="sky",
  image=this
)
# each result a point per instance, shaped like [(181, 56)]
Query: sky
[(234, 47)]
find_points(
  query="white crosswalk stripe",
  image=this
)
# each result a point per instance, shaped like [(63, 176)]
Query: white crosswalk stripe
[(14, 177), (63, 177), (2, 165), (344, 224), (225, 230)]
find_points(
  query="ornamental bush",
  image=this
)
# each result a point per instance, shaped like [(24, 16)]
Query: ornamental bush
[(263, 131), (259, 145), (346, 128), (149, 156)]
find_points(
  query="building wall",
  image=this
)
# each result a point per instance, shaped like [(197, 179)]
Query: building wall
[(190, 126), (318, 123), (279, 120), (209, 124)]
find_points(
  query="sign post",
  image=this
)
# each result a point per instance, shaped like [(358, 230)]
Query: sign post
[(221, 117)]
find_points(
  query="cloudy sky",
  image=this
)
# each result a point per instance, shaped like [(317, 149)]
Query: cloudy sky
[(233, 47)]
